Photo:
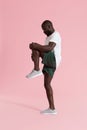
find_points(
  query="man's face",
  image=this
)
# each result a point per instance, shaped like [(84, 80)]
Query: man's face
[(46, 29)]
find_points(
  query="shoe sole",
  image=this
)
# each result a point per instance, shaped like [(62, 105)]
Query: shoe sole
[(54, 113), (34, 76), (48, 113)]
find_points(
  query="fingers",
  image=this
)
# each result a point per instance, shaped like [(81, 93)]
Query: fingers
[(31, 45)]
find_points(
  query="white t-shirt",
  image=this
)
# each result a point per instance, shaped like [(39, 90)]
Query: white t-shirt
[(55, 37)]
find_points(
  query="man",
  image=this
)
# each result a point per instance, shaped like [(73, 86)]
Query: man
[(51, 57)]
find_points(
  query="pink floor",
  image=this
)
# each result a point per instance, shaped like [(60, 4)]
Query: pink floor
[(20, 107)]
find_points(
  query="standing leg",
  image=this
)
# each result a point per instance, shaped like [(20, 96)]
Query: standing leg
[(49, 91)]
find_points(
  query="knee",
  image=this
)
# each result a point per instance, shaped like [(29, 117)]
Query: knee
[(35, 53), (47, 86)]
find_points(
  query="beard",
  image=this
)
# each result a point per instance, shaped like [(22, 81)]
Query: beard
[(48, 33)]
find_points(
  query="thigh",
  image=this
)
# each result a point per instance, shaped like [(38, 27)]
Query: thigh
[(49, 70), (47, 78)]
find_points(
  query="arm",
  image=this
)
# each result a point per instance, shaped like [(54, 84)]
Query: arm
[(43, 48)]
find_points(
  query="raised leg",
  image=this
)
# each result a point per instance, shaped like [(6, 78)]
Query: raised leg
[(35, 58)]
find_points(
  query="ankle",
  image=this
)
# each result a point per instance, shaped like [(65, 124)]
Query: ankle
[(52, 108), (37, 69)]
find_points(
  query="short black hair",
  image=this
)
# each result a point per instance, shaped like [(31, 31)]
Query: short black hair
[(46, 22)]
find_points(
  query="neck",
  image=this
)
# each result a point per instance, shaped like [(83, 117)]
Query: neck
[(51, 32)]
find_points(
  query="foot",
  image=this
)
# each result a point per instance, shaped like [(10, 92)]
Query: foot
[(34, 74), (49, 111)]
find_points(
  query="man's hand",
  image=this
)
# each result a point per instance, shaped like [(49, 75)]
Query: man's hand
[(42, 48), (33, 45)]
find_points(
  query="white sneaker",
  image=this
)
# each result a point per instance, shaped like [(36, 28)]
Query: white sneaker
[(34, 74), (49, 111)]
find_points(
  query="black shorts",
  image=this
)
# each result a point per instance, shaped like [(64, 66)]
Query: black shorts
[(49, 62)]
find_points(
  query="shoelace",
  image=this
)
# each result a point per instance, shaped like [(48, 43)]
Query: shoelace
[(32, 71)]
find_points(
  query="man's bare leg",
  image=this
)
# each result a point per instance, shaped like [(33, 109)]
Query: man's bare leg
[(49, 91), (35, 58)]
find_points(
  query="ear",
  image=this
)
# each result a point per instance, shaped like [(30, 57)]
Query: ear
[(48, 26)]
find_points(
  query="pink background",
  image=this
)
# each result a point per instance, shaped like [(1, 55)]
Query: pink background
[(21, 99)]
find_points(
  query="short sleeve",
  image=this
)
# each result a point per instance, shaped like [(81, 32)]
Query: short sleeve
[(56, 38)]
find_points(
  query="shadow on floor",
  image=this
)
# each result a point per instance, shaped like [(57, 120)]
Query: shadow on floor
[(20, 104)]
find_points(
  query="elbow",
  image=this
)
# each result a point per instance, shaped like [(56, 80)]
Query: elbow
[(51, 48)]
